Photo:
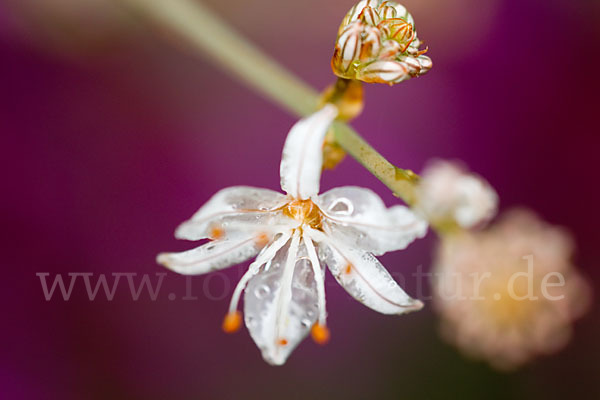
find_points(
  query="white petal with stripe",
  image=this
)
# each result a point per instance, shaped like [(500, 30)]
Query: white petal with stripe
[(238, 208), (365, 279), (211, 256), (280, 303), (302, 157), (359, 218)]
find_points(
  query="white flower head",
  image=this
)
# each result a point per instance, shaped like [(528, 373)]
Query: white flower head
[(294, 236), (449, 194)]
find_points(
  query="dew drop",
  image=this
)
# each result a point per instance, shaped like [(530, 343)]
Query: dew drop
[(251, 322), (262, 291), (342, 206)]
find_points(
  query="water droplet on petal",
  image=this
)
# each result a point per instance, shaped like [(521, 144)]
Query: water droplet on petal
[(251, 322), (341, 206), (262, 291)]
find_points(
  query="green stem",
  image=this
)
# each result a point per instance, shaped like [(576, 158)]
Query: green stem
[(230, 50), (401, 182)]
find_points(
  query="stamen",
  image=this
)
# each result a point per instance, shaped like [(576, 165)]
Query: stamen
[(265, 256), (320, 334), (232, 322), (304, 211), (318, 273), (285, 293), (282, 342)]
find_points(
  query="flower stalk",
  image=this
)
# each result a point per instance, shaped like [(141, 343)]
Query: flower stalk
[(246, 62)]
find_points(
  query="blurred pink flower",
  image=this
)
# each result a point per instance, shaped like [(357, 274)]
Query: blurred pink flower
[(509, 293)]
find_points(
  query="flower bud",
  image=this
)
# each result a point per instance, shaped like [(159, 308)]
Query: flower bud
[(390, 50), (384, 72), (425, 63), (371, 44), (347, 48), (369, 16), (388, 12), (399, 30), (377, 42)]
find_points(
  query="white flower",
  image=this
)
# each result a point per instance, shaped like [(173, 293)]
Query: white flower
[(448, 194), (295, 235)]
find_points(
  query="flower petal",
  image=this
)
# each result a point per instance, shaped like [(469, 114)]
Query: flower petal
[(277, 330), (211, 256), (363, 276), (384, 71), (348, 46), (233, 209), (302, 157), (359, 218)]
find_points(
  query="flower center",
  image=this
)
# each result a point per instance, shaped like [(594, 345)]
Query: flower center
[(304, 211)]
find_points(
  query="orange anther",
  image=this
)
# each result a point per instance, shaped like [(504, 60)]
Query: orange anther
[(348, 269), (320, 334), (232, 322), (216, 232), (282, 342)]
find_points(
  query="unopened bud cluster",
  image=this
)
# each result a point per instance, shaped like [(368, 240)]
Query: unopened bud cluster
[(377, 43)]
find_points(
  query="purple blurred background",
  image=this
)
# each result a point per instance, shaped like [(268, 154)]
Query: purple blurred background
[(114, 131)]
